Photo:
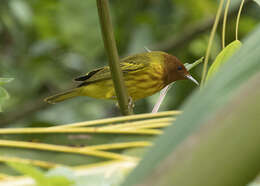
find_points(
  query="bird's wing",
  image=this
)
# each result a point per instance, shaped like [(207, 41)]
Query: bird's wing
[(127, 65)]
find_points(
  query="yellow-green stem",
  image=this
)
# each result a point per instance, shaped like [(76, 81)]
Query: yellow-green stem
[(65, 149), (78, 130), (133, 125), (238, 17), (211, 38), (120, 119), (224, 23), (150, 126), (124, 145), (111, 50)]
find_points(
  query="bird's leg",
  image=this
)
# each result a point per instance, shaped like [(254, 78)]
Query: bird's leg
[(131, 103)]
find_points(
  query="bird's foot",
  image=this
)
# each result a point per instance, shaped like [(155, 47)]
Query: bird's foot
[(131, 103)]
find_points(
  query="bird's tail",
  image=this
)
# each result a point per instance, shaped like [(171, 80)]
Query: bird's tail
[(63, 96)]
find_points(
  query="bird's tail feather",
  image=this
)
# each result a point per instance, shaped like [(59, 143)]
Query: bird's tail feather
[(63, 96)]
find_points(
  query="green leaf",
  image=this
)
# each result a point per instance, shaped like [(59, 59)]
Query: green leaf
[(29, 171), (5, 80), (201, 108), (107, 175), (56, 180), (39, 176), (223, 56), (257, 1)]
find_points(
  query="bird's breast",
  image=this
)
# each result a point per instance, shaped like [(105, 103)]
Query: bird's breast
[(146, 82)]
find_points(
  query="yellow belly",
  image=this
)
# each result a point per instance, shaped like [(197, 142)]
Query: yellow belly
[(139, 85)]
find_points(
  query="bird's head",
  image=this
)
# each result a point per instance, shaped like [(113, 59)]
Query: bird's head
[(175, 70)]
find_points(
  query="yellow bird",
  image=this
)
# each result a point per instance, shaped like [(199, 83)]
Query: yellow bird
[(144, 74)]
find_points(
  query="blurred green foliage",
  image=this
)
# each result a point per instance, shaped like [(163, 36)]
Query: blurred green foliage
[(45, 44), (67, 177)]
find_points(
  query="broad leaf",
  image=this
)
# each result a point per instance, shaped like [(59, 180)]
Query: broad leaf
[(223, 56), (201, 108)]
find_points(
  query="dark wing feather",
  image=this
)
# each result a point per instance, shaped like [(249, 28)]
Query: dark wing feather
[(128, 64), (88, 75)]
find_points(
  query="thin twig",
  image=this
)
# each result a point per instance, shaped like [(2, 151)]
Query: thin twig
[(238, 17), (224, 23), (111, 50), (162, 95), (211, 38)]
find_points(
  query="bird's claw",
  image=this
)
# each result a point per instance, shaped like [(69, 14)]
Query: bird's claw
[(131, 103)]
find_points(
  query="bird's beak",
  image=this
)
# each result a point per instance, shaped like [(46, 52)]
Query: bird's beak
[(188, 76)]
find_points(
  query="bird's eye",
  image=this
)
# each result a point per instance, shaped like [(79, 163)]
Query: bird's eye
[(179, 68)]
